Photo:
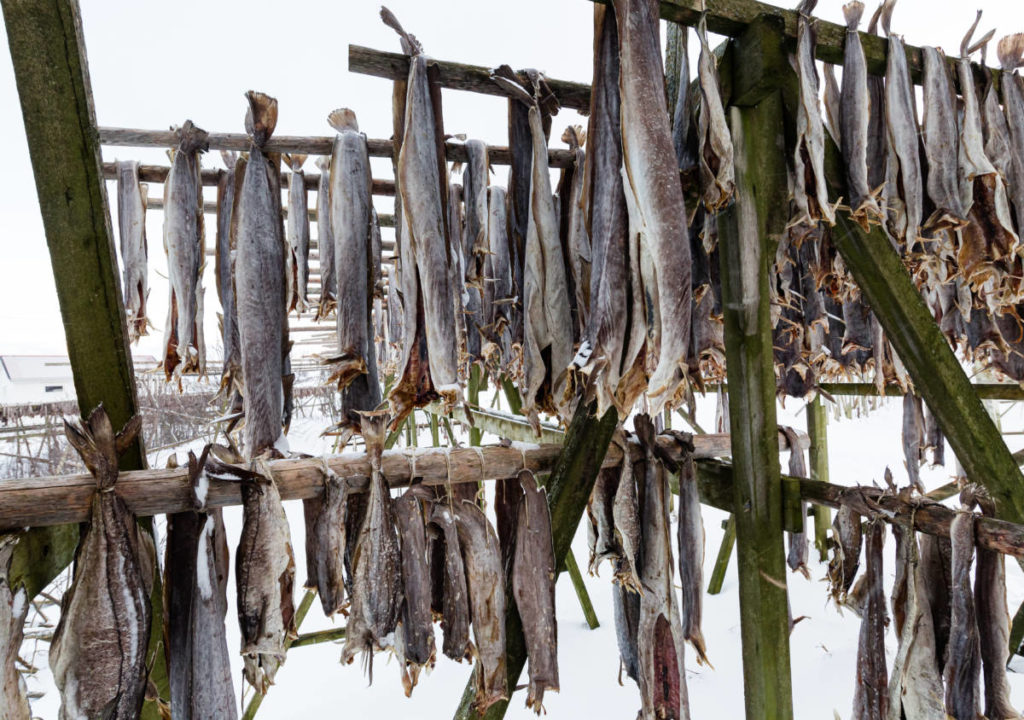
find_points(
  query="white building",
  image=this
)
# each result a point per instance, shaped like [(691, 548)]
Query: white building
[(42, 378)]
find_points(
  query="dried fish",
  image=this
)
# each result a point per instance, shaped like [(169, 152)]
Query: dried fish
[(533, 586), (260, 284), (654, 200), (577, 242), (936, 569), (498, 292), (414, 637), (356, 367), (871, 694), (810, 194), (1011, 57), (877, 140), (715, 151), (797, 556), (903, 193), (325, 241), (602, 522), (98, 653), (663, 691), (455, 616), (376, 560), (913, 438), (196, 567), (231, 373), (684, 133), (326, 541), (963, 658), (475, 243), (430, 353), (854, 122), (298, 230), (626, 604), (485, 579), (941, 143), (832, 97), (842, 569), (691, 551), (14, 607), (627, 525), (184, 241), (131, 221)]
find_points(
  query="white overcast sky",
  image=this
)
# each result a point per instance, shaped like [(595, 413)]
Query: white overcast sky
[(154, 65)]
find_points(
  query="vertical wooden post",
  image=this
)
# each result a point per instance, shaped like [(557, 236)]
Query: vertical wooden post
[(748, 233), (817, 430)]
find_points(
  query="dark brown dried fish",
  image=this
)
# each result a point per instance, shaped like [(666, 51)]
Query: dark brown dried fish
[(298, 229), (941, 143), (797, 556), (626, 604), (231, 372), (376, 560), (475, 245), (963, 658), (846, 532), (498, 292), (131, 222), (455, 616), (602, 521), (325, 241), (486, 581), (98, 653), (414, 637), (184, 241), (715, 151), (691, 552), (1011, 57), (14, 607), (627, 526), (871, 694), (937, 576), (913, 438), (577, 242), (326, 541)]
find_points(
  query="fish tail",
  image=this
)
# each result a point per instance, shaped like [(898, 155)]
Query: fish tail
[(229, 158), (965, 44), (1011, 51), (192, 138), (261, 119), (852, 13), (885, 16), (410, 45), (343, 119), (295, 160)]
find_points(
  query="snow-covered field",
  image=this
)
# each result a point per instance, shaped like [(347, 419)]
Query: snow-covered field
[(823, 647)]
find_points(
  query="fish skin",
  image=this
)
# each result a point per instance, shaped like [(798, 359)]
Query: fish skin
[(351, 202), (715, 150), (691, 552), (842, 569), (498, 291), (877, 149), (298, 229), (1011, 56), (810, 194), (326, 541), (131, 221), (455, 617), (913, 438), (577, 242), (941, 143), (904, 171), (663, 691), (855, 120), (325, 241), (260, 286), (475, 244), (533, 587), (963, 660), (508, 494), (626, 604), (196, 567), (376, 560), (14, 607), (934, 437), (98, 651), (871, 696), (602, 522), (520, 145), (831, 98), (184, 241), (231, 374), (797, 556), (936, 568), (627, 524), (414, 638), (654, 199), (485, 580), (683, 130)]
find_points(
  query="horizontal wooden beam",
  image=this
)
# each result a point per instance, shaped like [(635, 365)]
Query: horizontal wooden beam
[(210, 208), (458, 76), (986, 391), (455, 150)]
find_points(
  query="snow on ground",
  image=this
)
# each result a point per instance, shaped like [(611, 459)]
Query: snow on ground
[(823, 647)]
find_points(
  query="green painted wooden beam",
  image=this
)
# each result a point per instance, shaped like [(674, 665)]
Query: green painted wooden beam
[(817, 430), (724, 555), (568, 490), (749, 231)]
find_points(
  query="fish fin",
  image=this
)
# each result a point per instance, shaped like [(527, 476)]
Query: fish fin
[(295, 160), (229, 158), (965, 44), (806, 7), (343, 119), (852, 13), (873, 24), (1011, 51), (410, 45), (261, 118), (505, 78)]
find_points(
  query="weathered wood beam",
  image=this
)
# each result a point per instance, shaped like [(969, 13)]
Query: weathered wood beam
[(311, 145), (749, 231), (457, 76), (210, 208), (817, 430)]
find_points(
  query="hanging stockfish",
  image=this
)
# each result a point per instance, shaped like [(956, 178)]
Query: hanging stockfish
[(941, 144), (654, 199), (691, 550), (455, 616), (414, 636), (196, 567), (626, 604), (936, 567), (326, 541), (877, 149), (14, 607), (963, 658), (915, 686), (356, 367), (601, 526), (627, 524), (231, 372), (810, 194), (298, 230), (854, 121), (797, 556), (131, 220), (376, 560), (684, 132), (663, 691), (98, 653), (498, 292), (376, 256), (903, 194), (185, 243), (715, 152), (475, 245), (842, 569), (707, 342), (577, 243), (871, 695), (325, 241), (533, 586), (260, 285), (913, 438), (832, 99), (486, 582), (933, 437), (993, 622), (1011, 57), (430, 353)]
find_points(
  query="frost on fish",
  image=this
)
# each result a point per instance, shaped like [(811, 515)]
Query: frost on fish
[(131, 221), (231, 372), (429, 365), (376, 559), (325, 241), (715, 151), (185, 243), (963, 656), (355, 364), (298, 231), (414, 637), (533, 587), (326, 542), (98, 654), (871, 693), (13, 611), (196, 570)]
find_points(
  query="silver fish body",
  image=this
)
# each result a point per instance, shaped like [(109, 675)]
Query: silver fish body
[(325, 240), (602, 523), (326, 541), (455, 617), (627, 525), (414, 638), (231, 373), (131, 221), (715, 151), (963, 658), (498, 292), (871, 694), (691, 557), (298, 228), (1011, 57), (941, 143)]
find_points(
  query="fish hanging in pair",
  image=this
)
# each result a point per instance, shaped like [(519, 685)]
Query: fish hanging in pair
[(132, 197), (298, 232)]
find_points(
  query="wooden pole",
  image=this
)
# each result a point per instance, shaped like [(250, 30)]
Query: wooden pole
[(724, 554), (817, 430), (580, 587), (748, 233)]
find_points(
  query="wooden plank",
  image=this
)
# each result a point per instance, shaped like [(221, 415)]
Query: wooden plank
[(817, 430), (749, 231), (458, 76), (724, 555)]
